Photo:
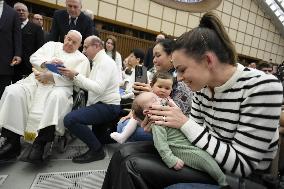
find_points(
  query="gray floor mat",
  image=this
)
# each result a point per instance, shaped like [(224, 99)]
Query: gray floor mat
[(2, 179)]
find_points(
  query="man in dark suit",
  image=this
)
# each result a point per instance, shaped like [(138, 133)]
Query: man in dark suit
[(10, 44), (38, 19), (32, 40), (70, 19)]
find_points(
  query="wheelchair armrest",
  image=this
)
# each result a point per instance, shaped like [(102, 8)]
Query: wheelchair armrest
[(79, 99)]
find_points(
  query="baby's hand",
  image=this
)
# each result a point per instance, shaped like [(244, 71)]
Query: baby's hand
[(179, 165)]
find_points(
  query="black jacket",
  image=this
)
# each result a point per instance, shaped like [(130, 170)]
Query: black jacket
[(10, 39)]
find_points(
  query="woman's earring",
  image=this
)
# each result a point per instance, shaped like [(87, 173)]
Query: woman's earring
[(171, 61)]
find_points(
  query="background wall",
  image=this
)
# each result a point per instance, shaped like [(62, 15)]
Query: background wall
[(249, 27)]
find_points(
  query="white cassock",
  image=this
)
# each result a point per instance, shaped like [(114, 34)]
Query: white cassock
[(28, 106)]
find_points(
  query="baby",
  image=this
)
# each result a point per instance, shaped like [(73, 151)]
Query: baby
[(161, 84), (174, 148)]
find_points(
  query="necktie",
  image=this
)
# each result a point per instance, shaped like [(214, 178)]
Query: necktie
[(72, 23)]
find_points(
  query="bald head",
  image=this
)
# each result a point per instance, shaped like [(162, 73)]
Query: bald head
[(160, 37), (38, 19)]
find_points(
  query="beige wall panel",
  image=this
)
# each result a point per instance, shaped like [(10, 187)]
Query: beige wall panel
[(270, 35), (239, 47), (246, 50), (268, 46), (265, 23), (260, 12), (253, 7), (252, 17), (182, 18), (142, 6), (126, 3), (169, 14), (263, 34), (271, 27), (110, 1), (193, 21), (248, 39), (167, 27), (179, 30), (276, 39), (266, 56), (259, 20), (156, 10), (233, 34), (227, 8), (107, 10), (226, 19), (273, 57), (236, 11), (244, 14), (253, 52), (280, 50), (261, 44), (274, 48), (255, 42), (154, 24), (238, 2), (91, 5), (257, 31), (234, 23), (250, 29), (242, 26), (279, 59), (259, 54), (240, 37), (124, 15), (139, 20), (246, 3)]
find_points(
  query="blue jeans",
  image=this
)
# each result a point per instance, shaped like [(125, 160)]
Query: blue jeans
[(77, 121), (138, 135), (192, 186)]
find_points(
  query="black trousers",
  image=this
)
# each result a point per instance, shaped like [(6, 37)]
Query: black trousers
[(5, 80), (138, 165)]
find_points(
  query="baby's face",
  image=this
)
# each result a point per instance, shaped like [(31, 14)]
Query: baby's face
[(148, 100), (163, 87)]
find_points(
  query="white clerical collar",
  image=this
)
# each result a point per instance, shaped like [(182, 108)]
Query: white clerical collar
[(1, 7), (24, 23), (75, 21)]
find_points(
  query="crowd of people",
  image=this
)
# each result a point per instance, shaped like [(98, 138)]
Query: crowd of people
[(199, 115)]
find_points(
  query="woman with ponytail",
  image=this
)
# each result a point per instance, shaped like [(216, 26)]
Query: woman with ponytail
[(234, 116)]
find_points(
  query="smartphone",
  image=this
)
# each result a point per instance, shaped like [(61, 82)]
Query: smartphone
[(141, 74)]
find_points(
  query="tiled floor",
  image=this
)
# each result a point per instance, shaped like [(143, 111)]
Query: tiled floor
[(22, 174)]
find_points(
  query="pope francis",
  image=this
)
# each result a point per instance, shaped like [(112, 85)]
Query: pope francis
[(34, 107)]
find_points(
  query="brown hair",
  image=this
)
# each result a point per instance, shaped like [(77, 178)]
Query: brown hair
[(161, 75), (210, 35), (114, 45), (137, 110)]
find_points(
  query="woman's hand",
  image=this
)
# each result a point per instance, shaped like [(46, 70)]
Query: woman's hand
[(67, 72), (170, 116), (146, 124), (141, 87)]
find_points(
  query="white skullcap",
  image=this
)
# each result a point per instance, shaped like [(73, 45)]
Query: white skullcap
[(78, 33)]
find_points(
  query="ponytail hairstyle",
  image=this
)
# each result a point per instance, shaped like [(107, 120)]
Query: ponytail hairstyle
[(210, 35)]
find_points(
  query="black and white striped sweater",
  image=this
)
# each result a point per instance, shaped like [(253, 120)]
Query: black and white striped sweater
[(238, 126)]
